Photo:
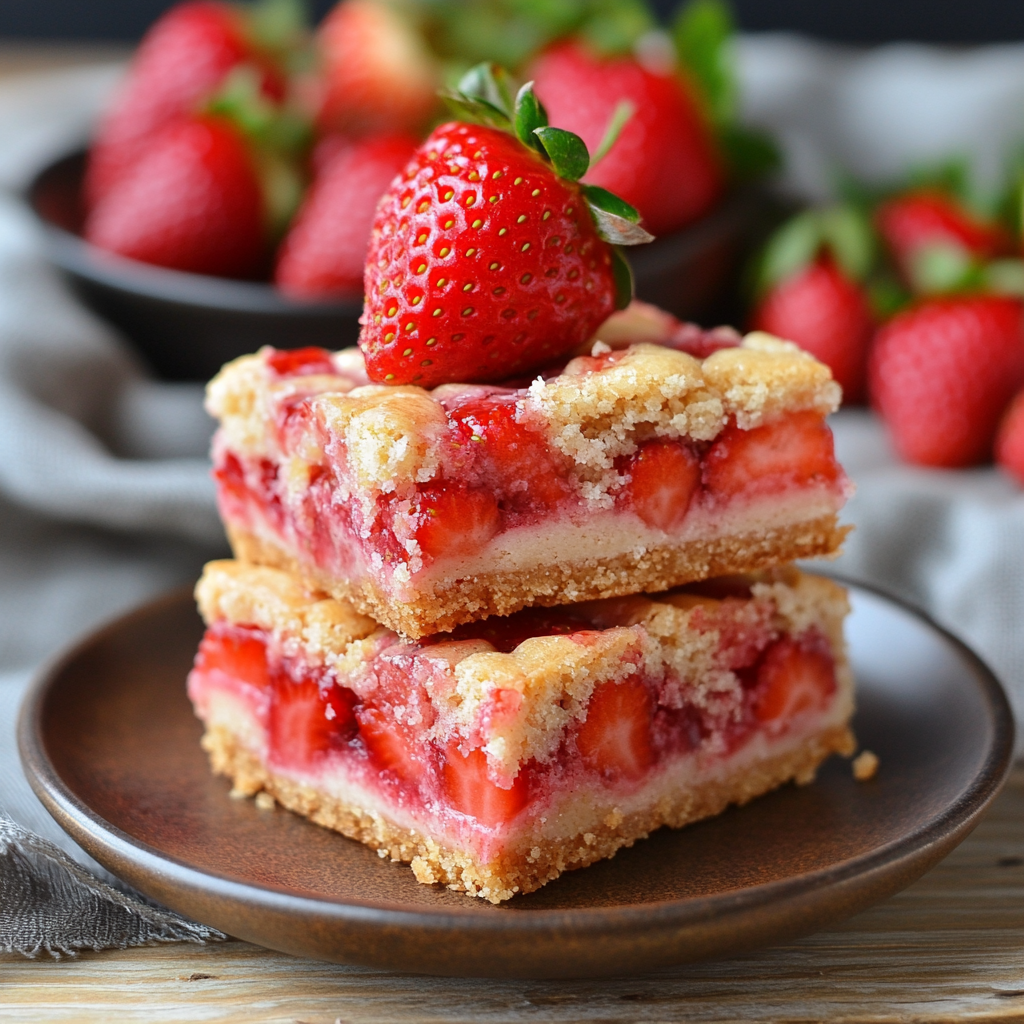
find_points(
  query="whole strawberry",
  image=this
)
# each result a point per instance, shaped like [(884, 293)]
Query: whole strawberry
[(666, 163), (324, 251), (194, 202), (931, 236), (942, 372), (1009, 447), (487, 258), (811, 292), (377, 74), (183, 59)]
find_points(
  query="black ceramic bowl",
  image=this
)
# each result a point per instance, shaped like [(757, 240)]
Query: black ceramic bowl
[(186, 326)]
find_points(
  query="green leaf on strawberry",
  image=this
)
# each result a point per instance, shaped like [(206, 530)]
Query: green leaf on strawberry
[(483, 97)]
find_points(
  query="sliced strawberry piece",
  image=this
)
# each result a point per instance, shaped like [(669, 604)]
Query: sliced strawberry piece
[(306, 720), (238, 653), (300, 362), (663, 478), (615, 738), (470, 790), (796, 450), (454, 520), (388, 747), (793, 678), (527, 473)]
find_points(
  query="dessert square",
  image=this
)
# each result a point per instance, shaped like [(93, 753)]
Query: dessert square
[(641, 466), (496, 757)]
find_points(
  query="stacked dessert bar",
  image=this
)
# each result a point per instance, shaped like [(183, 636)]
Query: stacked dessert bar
[(498, 632)]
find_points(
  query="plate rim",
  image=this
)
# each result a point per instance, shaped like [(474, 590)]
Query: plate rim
[(954, 822)]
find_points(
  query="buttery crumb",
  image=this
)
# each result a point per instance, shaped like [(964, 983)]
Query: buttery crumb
[(265, 802), (865, 765), (238, 794)]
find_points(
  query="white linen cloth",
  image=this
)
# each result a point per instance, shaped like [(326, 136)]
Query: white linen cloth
[(105, 497)]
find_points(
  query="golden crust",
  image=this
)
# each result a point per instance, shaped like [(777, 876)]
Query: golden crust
[(536, 861), (452, 602)]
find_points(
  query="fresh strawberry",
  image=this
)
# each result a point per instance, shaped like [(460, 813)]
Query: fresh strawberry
[(325, 249), (486, 258), (1009, 445), (307, 720), (793, 677), (811, 291), (663, 478), (665, 162), (194, 202), (182, 60), (490, 429), (389, 749), (794, 450), (914, 221), (470, 790), (237, 653), (943, 371), (825, 313), (378, 75), (453, 520), (615, 737)]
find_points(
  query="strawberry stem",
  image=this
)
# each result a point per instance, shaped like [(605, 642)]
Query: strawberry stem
[(623, 111)]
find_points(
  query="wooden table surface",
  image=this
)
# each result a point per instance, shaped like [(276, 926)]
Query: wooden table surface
[(949, 948)]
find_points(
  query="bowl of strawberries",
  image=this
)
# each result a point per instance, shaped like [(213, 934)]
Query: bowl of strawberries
[(228, 198)]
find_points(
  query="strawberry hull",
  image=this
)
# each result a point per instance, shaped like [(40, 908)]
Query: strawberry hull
[(494, 759), (640, 468)]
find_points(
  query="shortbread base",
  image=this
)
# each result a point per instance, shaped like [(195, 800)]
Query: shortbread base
[(450, 602), (536, 860)]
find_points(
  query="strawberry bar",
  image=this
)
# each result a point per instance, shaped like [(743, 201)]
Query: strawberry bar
[(639, 467), (496, 757)]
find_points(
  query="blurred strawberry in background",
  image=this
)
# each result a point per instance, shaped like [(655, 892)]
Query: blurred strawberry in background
[(811, 286), (942, 372), (325, 249), (212, 191), (183, 59), (376, 73)]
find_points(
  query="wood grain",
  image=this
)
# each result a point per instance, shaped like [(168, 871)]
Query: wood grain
[(949, 948)]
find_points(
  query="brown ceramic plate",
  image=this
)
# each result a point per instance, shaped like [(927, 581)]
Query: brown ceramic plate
[(111, 747)]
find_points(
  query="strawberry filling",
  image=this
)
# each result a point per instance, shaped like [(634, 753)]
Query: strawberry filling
[(498, 474), (387, 731)]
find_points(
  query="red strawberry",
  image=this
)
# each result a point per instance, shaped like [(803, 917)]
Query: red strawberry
[(237, 654), (665, 162), (615, 737), (811, 290), (470, 790), (182, 60), (486, 258), (389, 749), (1010, 440), (306, 721), (825, 313), (793, 677), (797, 449), (194, 202), (378, 76), (325, 249), (453, 520), (941, 374), (663, 478), (916, 220)]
